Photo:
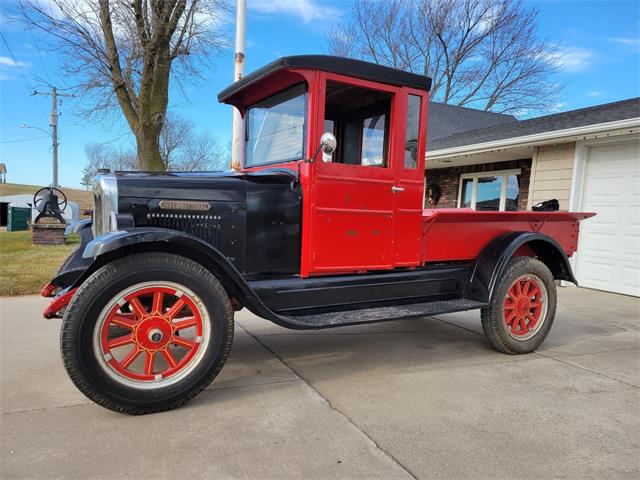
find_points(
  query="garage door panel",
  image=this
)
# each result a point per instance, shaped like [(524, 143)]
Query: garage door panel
[(598, 273), (608, 216), (629, 279), (609, 251), (599, 244), (634, 215), (629, 246)]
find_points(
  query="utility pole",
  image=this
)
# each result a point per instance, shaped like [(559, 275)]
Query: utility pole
[(53, 123), (238, 72)]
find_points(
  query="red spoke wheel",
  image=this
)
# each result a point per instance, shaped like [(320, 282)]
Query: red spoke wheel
[(522, 307), (525, 307), (146, 333), (153, 333)]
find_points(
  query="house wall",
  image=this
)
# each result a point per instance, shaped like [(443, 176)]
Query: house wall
[(552, 170), (449, 180)]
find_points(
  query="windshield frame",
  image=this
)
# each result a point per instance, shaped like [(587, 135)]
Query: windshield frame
[(305, 123)]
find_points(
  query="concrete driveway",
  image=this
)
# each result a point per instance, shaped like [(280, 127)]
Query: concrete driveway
[(423, 398)]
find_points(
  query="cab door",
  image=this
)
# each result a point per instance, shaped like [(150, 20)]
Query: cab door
[(354, 199), (409, 186)]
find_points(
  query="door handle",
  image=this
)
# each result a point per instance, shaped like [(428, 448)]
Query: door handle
[(395, 189)]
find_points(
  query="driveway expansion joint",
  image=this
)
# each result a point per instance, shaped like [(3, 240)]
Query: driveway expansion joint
[(588, 370), (325, 400)]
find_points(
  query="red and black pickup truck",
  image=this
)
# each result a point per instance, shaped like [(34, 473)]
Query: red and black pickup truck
[(323, 227)]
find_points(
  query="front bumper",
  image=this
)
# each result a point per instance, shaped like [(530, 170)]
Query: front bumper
[(57, 307), (60, 286)]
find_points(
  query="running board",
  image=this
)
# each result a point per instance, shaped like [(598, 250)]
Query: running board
[(381, 314)]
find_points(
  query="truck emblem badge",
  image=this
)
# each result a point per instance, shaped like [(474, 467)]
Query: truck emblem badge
[(183, 205)]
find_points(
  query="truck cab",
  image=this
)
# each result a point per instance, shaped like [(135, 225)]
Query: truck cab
[(323, 226), (368, 194)]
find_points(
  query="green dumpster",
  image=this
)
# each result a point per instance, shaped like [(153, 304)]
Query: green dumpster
[(18, 219)]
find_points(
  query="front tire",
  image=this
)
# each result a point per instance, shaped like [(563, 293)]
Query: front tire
[(522, 307), (146, 333)]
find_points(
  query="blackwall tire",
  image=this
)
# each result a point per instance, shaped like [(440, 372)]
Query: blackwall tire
[(522, 307), (67, 261), (146, 333)]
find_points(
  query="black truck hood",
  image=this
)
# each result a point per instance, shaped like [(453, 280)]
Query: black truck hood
[(218, 186)]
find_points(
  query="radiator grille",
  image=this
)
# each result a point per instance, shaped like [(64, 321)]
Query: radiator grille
[(206, 227)]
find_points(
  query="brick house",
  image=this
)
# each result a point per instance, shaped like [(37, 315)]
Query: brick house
[(587, 159)]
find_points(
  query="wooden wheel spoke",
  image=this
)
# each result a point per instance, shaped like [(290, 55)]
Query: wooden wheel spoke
[(137, 307), (122, 321), (523, 324), (131, 356), (183, 342), (175, 309), (119, 341), (158, 298), (148, 363), (169, 357), (185, 323)]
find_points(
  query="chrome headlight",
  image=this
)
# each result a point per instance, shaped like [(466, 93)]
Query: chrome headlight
[(105, 204)]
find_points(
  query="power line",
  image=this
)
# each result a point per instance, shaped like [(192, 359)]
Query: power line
[(46, 71), (23, 140)]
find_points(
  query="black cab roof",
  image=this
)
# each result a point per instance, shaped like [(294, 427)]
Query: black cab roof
[(327, 63)]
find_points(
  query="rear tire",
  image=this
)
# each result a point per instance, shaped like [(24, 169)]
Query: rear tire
[(522, 307), (146, 333)]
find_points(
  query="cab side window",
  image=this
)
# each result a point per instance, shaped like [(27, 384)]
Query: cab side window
[(412, 132), (359, 118)]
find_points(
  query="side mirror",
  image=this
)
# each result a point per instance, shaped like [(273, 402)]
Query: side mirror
[(327, 146), (328, 143)]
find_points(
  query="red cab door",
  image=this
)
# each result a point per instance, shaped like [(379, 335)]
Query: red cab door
[(352, 216), (409, 186)]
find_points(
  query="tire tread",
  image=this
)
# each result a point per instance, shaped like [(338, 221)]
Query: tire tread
[(118, 268)]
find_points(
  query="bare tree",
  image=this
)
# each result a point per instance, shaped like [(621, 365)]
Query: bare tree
[(125, 53), (104, 156), (184, 149), (479, 53), (181, 148)]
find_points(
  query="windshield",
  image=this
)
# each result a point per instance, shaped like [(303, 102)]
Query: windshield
[(275, 128)]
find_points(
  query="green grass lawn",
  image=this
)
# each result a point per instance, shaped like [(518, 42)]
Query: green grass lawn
[(26, 268)]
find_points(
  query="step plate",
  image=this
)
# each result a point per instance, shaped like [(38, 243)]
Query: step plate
[(380, 314)]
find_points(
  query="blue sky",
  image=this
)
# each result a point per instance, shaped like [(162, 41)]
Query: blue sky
[(599, 62)]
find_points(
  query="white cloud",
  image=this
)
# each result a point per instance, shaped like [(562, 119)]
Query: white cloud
[(557, 107), (631, 42), (10, 62), (573, 59), (306, 9), (595, 93)]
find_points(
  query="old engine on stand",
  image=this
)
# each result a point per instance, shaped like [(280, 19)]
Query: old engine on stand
[(49, 225)]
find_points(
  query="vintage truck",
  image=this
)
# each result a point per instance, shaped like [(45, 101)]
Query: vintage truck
[(323, 227)]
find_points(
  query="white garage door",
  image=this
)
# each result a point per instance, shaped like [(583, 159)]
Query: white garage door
[(609, 250)]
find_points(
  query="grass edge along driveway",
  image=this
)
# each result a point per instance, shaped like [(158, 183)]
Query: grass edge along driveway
[(26, 268)]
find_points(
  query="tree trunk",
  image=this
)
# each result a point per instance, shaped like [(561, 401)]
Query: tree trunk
[(148, 148)]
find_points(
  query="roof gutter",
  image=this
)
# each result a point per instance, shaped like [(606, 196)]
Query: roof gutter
[(565, 135)]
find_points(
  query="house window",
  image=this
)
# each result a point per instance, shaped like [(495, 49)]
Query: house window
[(490, 191)]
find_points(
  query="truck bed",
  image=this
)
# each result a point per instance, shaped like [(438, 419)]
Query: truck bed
[(460, 234)]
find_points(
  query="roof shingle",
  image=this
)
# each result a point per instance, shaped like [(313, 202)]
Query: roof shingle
[(608, 112)]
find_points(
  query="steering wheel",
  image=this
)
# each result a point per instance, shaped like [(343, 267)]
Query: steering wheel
[(39, 198)]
